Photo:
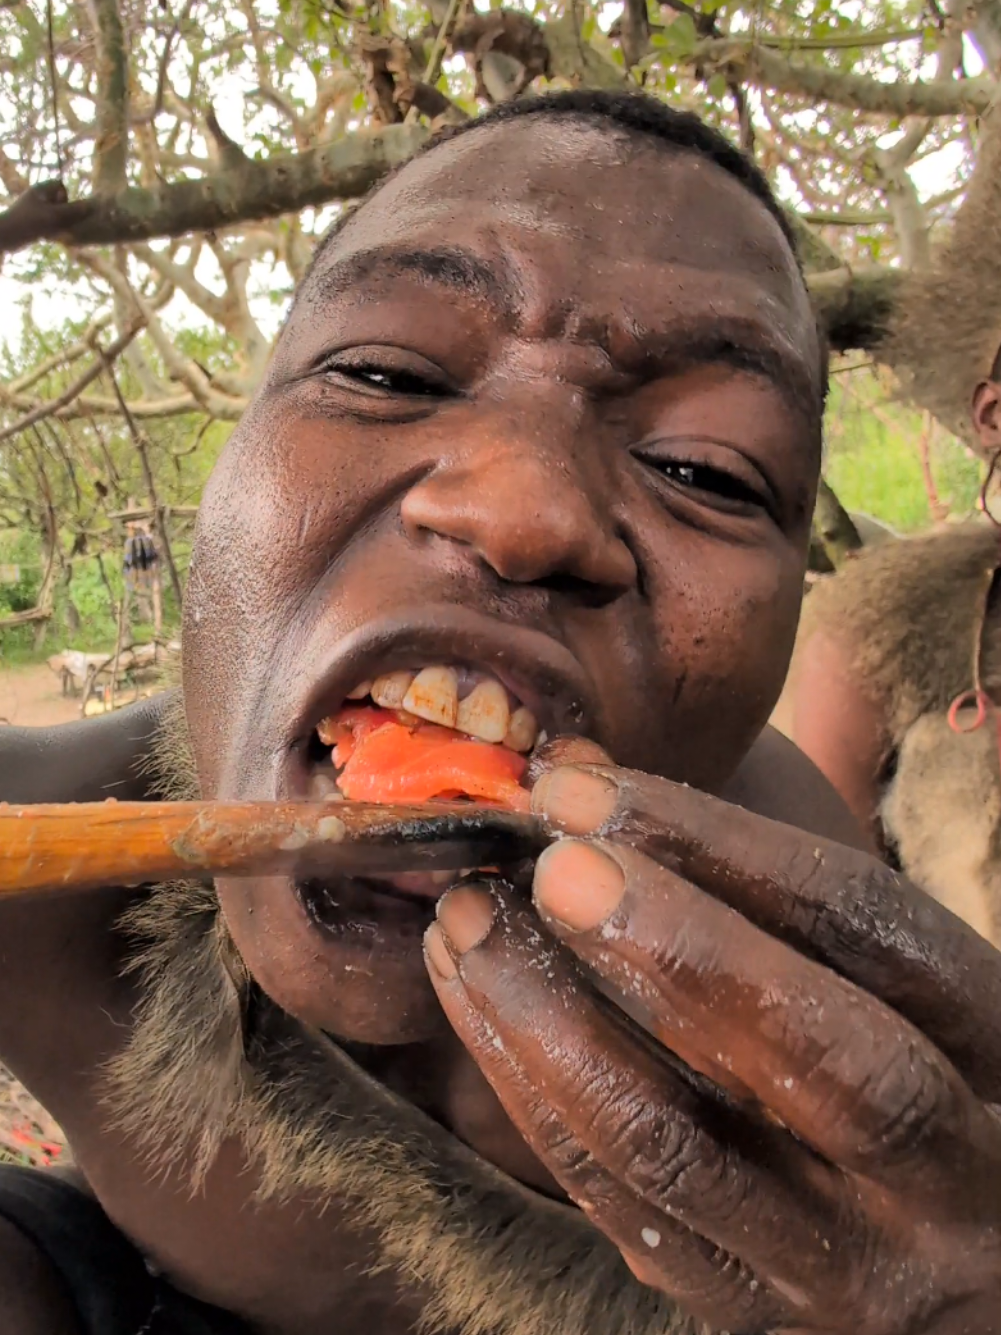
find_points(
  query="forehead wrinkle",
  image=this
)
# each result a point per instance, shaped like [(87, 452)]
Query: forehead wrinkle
[(454, 268), (632, 347)]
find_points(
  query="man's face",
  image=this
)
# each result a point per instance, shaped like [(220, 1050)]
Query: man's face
[(542, 412)]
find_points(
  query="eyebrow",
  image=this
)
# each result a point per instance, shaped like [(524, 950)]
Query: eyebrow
[(701, 339), (747, 344), (452, 267)]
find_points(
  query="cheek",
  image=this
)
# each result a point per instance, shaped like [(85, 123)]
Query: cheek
[(274, 514), (727, 629)]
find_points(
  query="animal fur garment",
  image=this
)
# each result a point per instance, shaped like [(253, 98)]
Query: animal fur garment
[(942, 812), (910, 614), (213, 1060)]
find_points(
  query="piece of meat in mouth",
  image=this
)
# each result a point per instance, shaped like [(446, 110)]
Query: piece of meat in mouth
[(436, 733)]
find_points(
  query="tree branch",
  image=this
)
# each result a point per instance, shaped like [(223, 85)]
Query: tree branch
[(52, 406), (188, 373), (846, 218), (285, 183), (182, 276), (28, 217), (64, 357), (841, 41), (141, 443), (111, 145), (765, 69)]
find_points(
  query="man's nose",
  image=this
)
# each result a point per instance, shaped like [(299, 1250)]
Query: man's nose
[(528, 505)]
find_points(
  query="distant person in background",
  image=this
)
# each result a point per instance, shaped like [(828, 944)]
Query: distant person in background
[(895, 692)]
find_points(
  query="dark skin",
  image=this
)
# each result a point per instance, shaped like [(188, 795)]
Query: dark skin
[(497, 469)]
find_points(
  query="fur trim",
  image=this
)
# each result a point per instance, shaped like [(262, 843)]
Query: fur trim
[(942, 811)]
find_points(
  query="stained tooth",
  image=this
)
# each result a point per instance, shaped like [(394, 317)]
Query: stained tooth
[(434, 695), (322, 788), (522, 730), (360, 691), (390, 690), (485, 712)]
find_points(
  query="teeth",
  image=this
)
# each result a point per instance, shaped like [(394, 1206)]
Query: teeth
[(391, 690), (434, 695), (484, 713), (522, 730), (459, 698), (323, 789), (327, 731)]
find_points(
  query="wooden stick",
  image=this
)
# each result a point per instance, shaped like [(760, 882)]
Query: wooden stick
[(83, 846)]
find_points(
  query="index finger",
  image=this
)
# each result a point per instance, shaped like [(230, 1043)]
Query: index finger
[(833, 904)]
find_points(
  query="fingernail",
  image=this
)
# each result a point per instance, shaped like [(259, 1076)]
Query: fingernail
[(465, 916), (436, 953), (577, 885), (574, 800)]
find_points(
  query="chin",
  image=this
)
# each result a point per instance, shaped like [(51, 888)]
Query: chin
[(346, 958)]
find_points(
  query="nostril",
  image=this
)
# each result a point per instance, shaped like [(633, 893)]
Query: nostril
[(579, 590)]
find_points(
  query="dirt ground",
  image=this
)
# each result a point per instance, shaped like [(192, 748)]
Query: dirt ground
[(31, 697)]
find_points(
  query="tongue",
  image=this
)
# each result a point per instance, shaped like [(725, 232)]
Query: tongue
[(383, 760)]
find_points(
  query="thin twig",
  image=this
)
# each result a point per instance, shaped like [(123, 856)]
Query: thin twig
[(78, 386), (54, 87), (431, 72)]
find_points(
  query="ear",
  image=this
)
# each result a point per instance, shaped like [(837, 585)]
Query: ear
[(987, 415)]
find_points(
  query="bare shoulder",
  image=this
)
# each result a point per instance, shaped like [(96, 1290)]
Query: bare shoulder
[(64, 1007), (778, 781)]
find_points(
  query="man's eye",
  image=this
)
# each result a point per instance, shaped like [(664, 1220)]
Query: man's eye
[(388, 380), (710, 481)]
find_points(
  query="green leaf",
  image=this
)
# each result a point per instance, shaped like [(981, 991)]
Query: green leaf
[(678, 38), (716, 87)]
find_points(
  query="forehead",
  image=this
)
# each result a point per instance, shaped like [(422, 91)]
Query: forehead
[(593, 220)]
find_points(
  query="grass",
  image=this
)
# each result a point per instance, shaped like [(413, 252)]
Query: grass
[(873, 458)]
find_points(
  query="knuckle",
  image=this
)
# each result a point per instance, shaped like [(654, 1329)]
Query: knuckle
[(658, 1150), (900, 1111)]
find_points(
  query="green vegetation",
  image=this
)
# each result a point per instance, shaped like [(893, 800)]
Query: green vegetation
[(874, 463)]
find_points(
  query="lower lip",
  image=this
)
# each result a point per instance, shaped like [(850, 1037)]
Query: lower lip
[(357, 906)]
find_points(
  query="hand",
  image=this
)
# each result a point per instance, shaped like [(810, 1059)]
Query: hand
[(794, 1129)]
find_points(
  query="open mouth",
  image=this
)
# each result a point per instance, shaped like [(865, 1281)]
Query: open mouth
[(442, 731)]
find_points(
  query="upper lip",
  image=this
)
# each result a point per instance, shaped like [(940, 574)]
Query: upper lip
[(540, 671)]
